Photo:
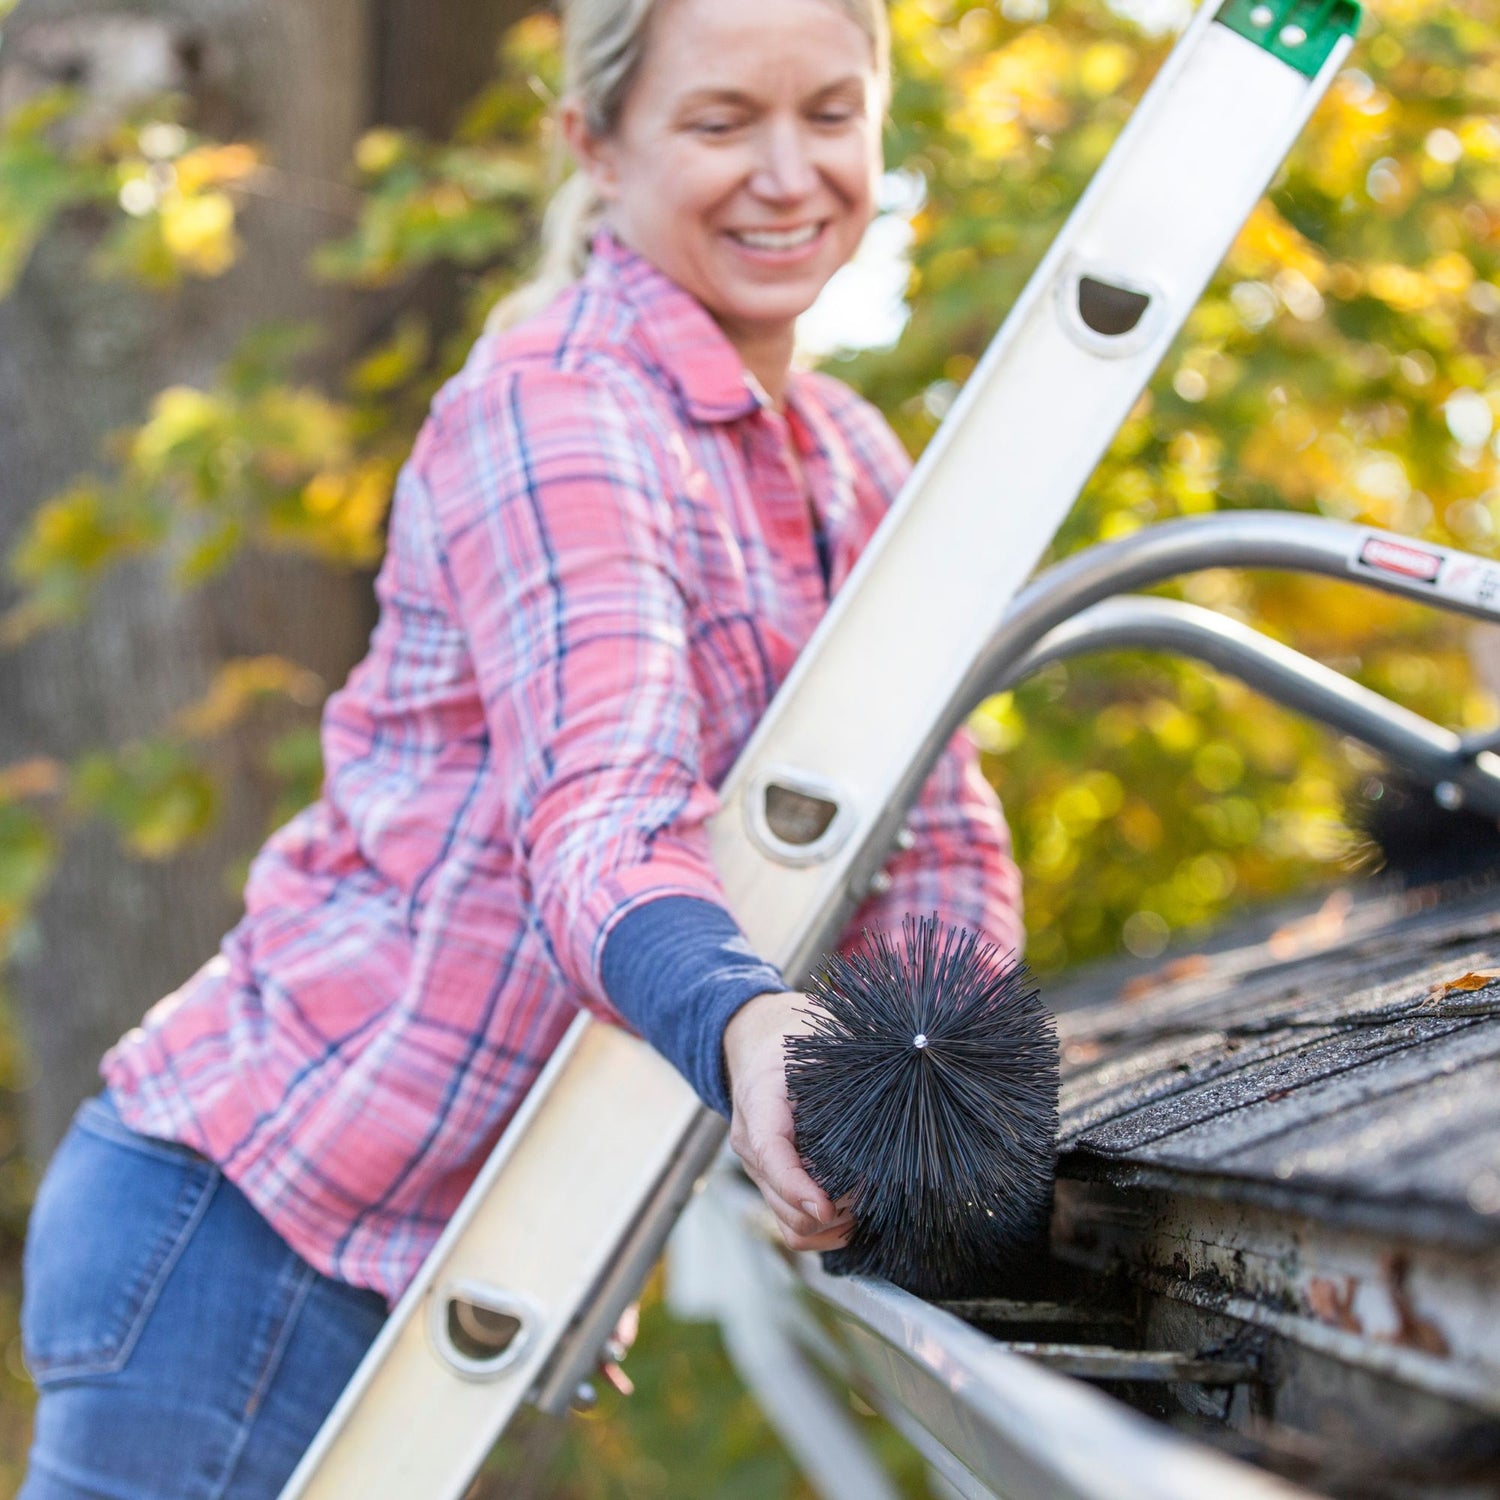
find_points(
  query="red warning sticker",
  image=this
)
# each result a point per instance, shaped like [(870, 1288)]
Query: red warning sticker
[(1386, 556)]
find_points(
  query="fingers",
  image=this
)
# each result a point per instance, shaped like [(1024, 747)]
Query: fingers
[(762, 1129), (833, 1239), (781, 1169), (829, 1229), (764, 1143), (766, 1164), (800, 1230), (797, 1223)]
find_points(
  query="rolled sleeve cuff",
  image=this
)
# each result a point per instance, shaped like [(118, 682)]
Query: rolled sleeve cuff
[(677, 968)]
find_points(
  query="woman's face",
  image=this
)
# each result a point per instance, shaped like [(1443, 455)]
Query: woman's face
[(746, 157)]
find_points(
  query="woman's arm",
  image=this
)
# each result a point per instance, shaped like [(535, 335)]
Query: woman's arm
[(557, 537)]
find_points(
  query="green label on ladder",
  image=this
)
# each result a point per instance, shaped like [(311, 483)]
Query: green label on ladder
[(1302, 33)]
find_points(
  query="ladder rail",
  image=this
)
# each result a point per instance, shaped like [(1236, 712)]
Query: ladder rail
[(578, 1351), (1044, 375), (1273, 540)]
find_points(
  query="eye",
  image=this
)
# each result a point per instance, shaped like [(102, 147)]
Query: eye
[(715, 128)]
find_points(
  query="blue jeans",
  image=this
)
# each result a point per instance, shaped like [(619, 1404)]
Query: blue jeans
[(182, 1350)]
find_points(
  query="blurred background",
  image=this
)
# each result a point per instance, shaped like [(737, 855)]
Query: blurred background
[(243, 241)]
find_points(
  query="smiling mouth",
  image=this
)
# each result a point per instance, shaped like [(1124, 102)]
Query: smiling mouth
[(777, 239)]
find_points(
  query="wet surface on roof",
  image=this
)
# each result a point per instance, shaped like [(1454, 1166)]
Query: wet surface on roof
[(1348, 1063)]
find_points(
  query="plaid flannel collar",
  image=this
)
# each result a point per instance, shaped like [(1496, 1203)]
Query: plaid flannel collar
[(683, 338)]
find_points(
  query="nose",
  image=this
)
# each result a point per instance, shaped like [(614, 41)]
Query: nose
[(785, 172)]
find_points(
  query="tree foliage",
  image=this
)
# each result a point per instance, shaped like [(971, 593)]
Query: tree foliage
[(1343, 362)]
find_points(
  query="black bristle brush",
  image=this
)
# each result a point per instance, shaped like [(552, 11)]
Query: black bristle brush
[(925, 1096), (1412, 837)]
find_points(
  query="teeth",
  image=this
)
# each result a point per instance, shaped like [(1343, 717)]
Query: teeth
[(770, 239)]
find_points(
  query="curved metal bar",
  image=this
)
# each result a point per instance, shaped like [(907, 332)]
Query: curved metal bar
[(1435, 755), (1440, 576), (1481, 740)]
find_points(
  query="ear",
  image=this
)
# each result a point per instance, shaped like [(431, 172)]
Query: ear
[(594, 154)]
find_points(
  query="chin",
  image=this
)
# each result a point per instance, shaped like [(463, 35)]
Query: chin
[(751, 311), (769, 304)]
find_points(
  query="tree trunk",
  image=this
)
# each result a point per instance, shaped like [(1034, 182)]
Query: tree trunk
[(431, 58), (79, 358)]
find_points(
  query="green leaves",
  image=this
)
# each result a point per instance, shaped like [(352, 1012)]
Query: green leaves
[(170, 196), (161, 793), (260, 458), (27, 852), (38, 180), (425, 204), (254, 459), (257, 457), (468, 202), (1342, 362), (68, 542), (180, 209), (156, 793)]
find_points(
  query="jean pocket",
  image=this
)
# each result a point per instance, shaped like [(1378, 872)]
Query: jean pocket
[(111, 1218)]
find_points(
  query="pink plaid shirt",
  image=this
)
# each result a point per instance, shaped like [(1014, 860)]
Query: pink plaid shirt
[(601, 566)]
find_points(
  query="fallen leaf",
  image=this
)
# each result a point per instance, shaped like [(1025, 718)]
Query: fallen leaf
[(1324, 928), (37, 777), (1078, 1053), (1465, 984), (1190, 967), (1334, 1304)]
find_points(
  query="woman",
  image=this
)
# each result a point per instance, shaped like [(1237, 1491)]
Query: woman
[(621, 522)]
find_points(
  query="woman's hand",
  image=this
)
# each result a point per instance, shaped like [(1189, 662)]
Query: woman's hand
[(761, 1129)]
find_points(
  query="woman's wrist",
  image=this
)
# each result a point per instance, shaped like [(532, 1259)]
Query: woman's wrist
[(763, 1022), (762, 1131)]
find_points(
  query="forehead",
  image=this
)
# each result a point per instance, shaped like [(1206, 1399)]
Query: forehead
[(768, 45)]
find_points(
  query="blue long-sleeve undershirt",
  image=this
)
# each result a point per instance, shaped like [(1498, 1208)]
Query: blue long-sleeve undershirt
[(677, 969)]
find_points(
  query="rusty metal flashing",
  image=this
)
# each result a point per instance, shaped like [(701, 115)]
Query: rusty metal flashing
[(1432, 1224), (1420, 1315)]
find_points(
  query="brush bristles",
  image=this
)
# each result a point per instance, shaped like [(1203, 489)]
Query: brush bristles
[(926, 1096)]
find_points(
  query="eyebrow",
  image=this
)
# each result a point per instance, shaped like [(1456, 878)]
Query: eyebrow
[(739, 97)]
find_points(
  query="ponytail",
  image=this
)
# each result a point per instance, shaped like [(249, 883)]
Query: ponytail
[(567, 232)]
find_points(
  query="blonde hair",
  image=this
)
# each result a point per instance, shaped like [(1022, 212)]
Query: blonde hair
[(604, 42)]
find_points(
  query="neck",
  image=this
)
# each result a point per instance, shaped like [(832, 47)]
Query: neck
[(766, 353)]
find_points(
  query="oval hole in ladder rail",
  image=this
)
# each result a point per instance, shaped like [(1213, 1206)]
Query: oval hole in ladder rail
[(481, 1333), (798, 818), (1110, 310)]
